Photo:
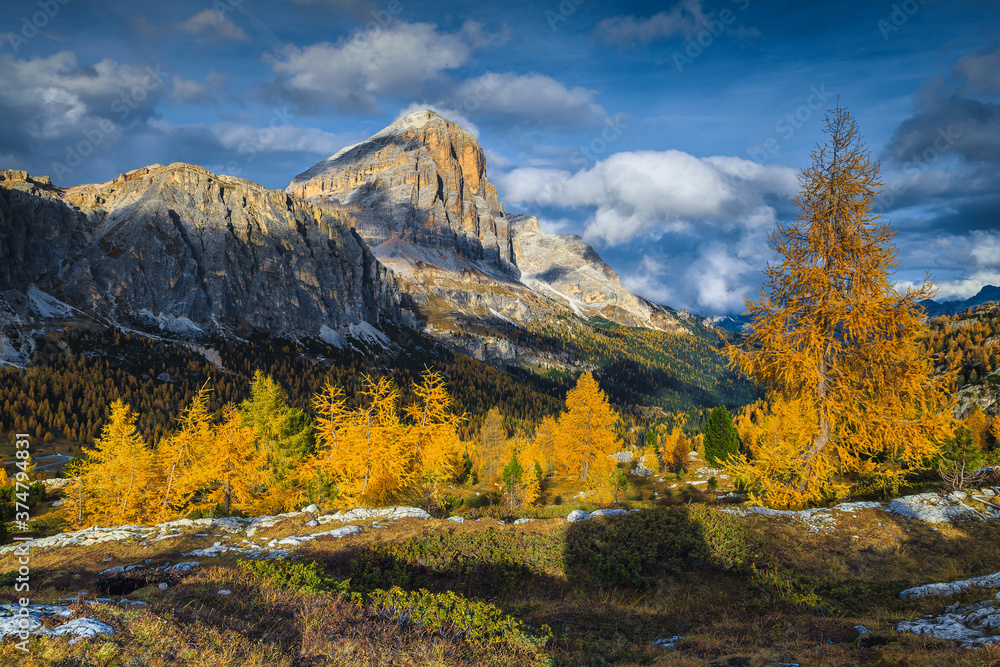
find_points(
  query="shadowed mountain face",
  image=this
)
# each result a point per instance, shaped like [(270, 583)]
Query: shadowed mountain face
[(419, 195), (182, 249)]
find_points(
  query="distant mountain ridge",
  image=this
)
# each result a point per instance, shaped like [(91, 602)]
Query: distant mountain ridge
[(936, 308)]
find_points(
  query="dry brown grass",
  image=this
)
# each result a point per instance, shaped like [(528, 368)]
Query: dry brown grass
[(726, 618)]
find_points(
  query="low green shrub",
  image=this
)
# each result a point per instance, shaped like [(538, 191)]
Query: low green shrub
[(375, 568), (8, 498), (466, 561), (634, 550), (303, 577), (452, 616)]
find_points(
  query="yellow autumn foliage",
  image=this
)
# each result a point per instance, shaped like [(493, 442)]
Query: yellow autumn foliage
[(587, 432), (852, 398)]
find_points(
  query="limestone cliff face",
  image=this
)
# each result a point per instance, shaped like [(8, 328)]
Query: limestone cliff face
[(568, 269), (418, 193), (423, 178), (188, 250), (566, 265)]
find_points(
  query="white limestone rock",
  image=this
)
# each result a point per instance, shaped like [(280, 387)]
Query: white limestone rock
[(988, 581)]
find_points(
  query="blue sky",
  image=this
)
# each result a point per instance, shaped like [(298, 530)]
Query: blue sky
[(668, 135)]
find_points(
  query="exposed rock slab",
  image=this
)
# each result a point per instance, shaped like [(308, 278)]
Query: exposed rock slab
[(988, 581), (15, 619)]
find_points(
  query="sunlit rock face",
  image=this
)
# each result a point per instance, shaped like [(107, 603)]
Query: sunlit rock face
[(419, 195), (423, 178)]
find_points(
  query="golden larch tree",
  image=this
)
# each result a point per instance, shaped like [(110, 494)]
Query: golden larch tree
[(587, 431), (436, 448), (491, 448), (114, 480), (366, 453), (979, 425), (836, 346), (183, 458), (543, 445), (237, 469)]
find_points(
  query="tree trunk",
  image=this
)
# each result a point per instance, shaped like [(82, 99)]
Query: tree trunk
[(823, 438)]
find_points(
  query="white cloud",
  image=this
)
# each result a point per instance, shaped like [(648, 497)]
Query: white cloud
[(532, 98), (721, 279), (649, 280), (643, 192), (979, 254), (556, 226), (186, 90), (216, 22), (53, 97), (963, 288), (986, 251), (494, 159), (454, 116), (685, 18), (397, 59), (234, 136)]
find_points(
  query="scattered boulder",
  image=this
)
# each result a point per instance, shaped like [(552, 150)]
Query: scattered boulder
[(968, 625), (13, 621), (988, 581), (668, 643), (577, 515)]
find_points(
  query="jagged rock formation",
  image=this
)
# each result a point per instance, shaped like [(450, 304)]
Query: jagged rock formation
[(423, 178), (419, 195), (565, 267), (183, 249)]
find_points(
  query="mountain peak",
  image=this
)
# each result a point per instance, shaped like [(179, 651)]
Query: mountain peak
[(416, 120), (422, 178)]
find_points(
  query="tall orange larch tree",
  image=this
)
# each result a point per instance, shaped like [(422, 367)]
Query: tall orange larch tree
[(237, 472), (852, 399), (587, 432), (182, 458), (113, 484), (436, 453)]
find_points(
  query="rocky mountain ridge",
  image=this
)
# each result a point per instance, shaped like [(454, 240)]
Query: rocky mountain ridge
[(181, 249), (419, 194), (423, 179), (989, 293)]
